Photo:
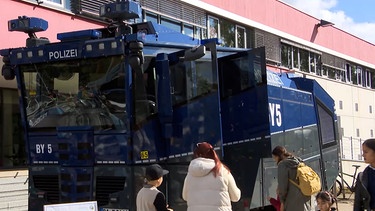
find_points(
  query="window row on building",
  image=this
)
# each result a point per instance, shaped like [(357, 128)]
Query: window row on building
[(197, 23), (356, 107), (311, 62), (358, 134), (294, 57), (370, 134)]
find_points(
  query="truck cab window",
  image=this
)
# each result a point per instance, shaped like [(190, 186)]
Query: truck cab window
[(75, 93)]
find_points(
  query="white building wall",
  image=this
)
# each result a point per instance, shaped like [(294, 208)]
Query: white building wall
[(350, 120), (13, 194)]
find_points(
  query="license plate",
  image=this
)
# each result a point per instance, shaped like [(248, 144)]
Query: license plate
[(113, 209)]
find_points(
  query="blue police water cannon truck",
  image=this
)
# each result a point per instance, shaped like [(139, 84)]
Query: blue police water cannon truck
[(101, 104)]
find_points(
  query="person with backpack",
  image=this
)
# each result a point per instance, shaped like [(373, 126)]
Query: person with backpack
[(291, 197)]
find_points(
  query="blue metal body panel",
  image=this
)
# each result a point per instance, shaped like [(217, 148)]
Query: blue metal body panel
[(111, 148), (195, 121), (39, 145), (245, 116), (312, 86)]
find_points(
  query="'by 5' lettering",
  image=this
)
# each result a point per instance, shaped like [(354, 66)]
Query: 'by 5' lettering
[(43, 148)]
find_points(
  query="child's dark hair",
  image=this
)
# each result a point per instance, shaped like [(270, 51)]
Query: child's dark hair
[(326, 196), (370, 143)]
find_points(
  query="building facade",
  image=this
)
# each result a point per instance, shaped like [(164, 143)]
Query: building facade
[(296, 42)]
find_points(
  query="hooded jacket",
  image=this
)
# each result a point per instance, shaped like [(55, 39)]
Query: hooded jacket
[(289, 193), (205, 192)]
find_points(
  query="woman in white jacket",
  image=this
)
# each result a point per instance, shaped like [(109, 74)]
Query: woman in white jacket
[(209, 185)]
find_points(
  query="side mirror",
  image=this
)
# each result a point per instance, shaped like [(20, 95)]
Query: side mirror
[(8, 73)]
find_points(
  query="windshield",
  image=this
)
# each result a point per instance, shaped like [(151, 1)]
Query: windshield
[(75, 93)]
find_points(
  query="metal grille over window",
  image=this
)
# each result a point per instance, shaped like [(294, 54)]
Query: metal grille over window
[(169, 8), (177, 10), (271, 42), (88, 7), (259, 39)]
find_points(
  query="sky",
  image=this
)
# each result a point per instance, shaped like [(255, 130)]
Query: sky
[(356, 17)]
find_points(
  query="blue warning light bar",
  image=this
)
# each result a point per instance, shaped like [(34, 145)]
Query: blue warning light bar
[(80, 35)]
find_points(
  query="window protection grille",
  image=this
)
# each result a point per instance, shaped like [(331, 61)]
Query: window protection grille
[(169, 8)]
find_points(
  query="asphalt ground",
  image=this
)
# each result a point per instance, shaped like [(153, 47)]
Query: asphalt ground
[(345, 204)]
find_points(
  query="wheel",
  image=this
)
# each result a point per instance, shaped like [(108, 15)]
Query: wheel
[(336, 189)]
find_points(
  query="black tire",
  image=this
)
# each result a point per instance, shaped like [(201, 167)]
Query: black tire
[(336, 189)]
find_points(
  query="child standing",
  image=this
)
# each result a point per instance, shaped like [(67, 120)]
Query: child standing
[(325, 200), (149, 198)]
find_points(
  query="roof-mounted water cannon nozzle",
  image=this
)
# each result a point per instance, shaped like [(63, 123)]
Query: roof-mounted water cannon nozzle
[(29, 25), (120, 11)]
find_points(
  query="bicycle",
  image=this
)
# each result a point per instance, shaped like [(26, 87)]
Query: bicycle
[(338, 187)]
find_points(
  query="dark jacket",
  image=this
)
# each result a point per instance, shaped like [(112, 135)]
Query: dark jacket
[(289, 193), (362, 196)]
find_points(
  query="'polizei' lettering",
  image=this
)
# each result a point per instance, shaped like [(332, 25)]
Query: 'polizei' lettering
[(70, 53)]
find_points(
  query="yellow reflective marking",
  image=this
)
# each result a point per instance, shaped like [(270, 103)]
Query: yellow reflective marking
[(144, 154)]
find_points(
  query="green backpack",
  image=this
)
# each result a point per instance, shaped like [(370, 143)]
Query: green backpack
[(308, 180)]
